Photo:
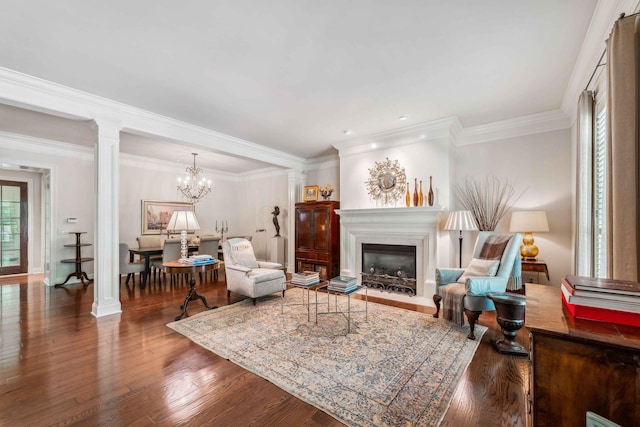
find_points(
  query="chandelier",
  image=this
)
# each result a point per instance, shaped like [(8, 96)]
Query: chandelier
[(194, 186)]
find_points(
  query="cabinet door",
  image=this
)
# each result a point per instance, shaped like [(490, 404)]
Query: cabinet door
[(321, 229), (304, 229)]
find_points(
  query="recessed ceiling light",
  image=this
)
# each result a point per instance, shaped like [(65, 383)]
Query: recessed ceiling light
[(402, 118), (346, 132)]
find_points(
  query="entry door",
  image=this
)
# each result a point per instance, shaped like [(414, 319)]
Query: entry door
[(13, 227)]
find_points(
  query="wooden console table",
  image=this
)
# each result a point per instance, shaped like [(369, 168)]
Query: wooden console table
[(579, 365), (78, 260)]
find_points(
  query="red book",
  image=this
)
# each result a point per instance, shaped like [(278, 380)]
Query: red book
[(602, 314)]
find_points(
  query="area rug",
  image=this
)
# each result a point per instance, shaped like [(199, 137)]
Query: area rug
[(396, 368)]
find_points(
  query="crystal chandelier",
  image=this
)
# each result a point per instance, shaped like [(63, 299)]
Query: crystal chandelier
[(194, 186)]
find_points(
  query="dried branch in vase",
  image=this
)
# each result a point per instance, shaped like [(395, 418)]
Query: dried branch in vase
[(488, 200)]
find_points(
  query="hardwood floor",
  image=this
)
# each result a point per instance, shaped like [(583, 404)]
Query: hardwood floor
[(61, 366)]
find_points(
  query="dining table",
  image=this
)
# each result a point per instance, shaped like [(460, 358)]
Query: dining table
[(148, 253)]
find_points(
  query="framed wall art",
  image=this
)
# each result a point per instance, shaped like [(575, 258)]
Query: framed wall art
[(156, 214), (310, 193)]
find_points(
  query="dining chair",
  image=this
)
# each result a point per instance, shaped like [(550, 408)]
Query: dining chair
[(209, 246), (170, 252), (129, 268)]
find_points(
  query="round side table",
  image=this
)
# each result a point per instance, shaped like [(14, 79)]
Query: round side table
[(510, 310)]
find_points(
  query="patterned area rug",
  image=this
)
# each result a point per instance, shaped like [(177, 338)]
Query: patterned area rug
[(398, 368)]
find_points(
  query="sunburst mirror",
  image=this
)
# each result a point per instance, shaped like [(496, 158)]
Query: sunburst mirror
[(387, 181)]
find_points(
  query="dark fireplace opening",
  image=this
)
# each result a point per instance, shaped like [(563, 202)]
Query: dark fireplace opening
[(389, 267)]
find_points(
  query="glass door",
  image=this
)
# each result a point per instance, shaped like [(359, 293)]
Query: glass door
[(13, 227)]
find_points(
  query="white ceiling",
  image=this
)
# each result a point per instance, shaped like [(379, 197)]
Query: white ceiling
[(293, 75)]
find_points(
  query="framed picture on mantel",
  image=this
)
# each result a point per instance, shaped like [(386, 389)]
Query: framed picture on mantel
[(156, 214), (310, 193)]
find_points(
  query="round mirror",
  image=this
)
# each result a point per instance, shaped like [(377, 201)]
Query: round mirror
[(387, 180)]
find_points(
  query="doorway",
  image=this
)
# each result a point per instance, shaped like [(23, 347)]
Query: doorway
[(13, 227)]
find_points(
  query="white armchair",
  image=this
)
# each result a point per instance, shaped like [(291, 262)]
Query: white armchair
[(247, 276)]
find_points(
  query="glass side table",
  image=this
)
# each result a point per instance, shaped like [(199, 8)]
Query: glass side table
[(335, 293), (308, 288)]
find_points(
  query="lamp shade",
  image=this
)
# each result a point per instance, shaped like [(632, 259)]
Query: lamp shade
[(460, 220), (529, 221), (183, 220)]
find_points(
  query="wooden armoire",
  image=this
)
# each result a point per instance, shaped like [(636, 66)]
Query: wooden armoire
[(318, 238)]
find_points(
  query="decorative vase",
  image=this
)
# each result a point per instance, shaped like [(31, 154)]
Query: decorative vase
[(326, 195), (421, 196), (430, 194), (407, 197), (415, 192)]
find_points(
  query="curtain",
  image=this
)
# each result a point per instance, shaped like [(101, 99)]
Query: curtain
[(623, 123), (584, 219)]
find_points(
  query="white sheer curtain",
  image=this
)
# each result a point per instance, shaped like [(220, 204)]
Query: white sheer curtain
[(623, 80), (584, 191)]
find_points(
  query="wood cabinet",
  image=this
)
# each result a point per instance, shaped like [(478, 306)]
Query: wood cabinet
[(579, 365), (318, 238)]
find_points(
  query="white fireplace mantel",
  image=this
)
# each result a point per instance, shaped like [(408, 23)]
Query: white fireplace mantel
[(414, 226)]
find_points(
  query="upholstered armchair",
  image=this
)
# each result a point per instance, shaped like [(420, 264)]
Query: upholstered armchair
[(495, 267), (247, 276)]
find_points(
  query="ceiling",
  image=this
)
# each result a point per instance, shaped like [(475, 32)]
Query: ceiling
[(294, 75)]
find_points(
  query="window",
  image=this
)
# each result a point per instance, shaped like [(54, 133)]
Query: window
[(592, 188), (600, 192)]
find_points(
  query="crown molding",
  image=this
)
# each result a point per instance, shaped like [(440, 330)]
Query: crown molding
[(36, 94), (527, 125), (436, 130), (604, 16), (32, 144), (323, 162)]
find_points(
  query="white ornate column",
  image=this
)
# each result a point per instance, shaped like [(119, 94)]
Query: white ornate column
[(106, 298), (295, 180)]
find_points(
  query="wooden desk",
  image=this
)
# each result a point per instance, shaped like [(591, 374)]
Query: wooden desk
[(579, 365), (537, 266), (176, 267)]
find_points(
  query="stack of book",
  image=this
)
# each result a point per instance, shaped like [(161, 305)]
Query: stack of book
[(306, 278), (343, 284), (200, 259), (607, 300)]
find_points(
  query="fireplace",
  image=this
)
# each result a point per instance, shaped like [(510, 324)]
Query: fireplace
[(415, 227), (389, 267)]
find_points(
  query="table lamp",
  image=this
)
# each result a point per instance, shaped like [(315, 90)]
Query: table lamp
[(528, 222), (183, 221), (461, 221)]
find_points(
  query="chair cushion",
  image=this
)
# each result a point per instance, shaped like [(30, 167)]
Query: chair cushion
[(265, 274), (480, 268), (242, 254), (494, 246)]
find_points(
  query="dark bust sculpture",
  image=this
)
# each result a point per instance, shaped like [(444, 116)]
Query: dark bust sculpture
[(275, 213)]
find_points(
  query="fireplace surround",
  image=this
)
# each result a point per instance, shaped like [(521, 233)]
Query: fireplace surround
[(416, 226)]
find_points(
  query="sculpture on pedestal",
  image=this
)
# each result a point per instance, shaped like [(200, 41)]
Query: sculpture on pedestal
[(275, 213)]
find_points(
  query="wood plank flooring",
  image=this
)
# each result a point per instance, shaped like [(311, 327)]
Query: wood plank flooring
[(59, 365)]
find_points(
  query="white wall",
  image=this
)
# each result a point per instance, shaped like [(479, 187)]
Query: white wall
[(72, 193), (541, 166), (141, 179), (420, 161), (256, 196)]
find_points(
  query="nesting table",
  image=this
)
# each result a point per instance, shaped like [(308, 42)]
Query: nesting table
[(347, 315)]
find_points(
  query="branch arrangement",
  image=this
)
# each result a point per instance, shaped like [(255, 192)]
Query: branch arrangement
[(488, 200)]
